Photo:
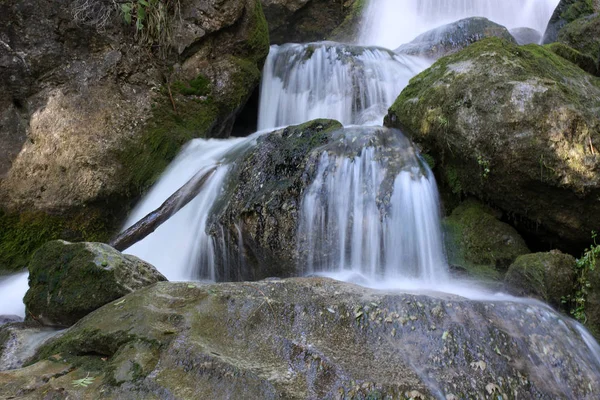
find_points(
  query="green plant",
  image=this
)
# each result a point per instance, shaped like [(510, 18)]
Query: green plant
[(584, 265), (152, 20), (485, 166), (84, 382)]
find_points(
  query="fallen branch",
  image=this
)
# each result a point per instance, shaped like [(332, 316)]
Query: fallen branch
[(174, 203)]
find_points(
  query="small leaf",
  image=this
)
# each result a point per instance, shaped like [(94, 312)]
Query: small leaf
[(144, 3), (118, 303), (83, 382)]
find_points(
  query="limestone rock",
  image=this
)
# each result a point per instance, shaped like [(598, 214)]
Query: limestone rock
[(516, 127), (309, 338), (91, 114), (69, 280)]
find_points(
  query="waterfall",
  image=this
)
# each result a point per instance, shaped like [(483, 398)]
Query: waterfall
[(352, 84), (390, 23), (372, 216)]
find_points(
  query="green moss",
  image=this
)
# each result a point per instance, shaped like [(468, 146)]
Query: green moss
[(479, 243), (23, 233), (199, 86), (577, 10), (583, 35), (584, 61), (348, 30), (429, 160), (258, 39)]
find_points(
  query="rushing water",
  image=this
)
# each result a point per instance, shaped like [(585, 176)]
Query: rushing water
[(352, 84), (390, 23)]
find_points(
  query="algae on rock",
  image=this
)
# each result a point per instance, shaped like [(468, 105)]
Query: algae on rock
[(514, 126)]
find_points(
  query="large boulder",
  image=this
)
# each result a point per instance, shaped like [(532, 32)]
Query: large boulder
[(478, 244), (256, 224), (517, 127), (568, 11), (301, 21), (449, 39), (582, 60), (549, 277), (309, 338), (92, 109), (67, 281)]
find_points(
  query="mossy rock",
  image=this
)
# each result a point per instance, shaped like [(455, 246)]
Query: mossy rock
[(309, 338), (69, 280), (592, 304), (567, 11), (450, 38), (549, 277), (584, 61), (479, 244), (515, 127), (583, 35)]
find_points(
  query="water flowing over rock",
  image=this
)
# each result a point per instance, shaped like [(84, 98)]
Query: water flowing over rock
[(313, 338), (531, 149), (89, 116), (390, 23), (449, 39), (19, 342), (351, 84), (69, 280)]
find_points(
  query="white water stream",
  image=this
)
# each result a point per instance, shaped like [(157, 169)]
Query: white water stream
[(390, 23)]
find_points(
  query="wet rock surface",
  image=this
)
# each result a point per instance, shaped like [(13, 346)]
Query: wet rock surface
[(309, 338), (530, 149), (69, 280), (449, 39), (526, 35), (19, 342)]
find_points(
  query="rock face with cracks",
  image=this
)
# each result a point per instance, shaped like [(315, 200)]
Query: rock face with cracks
[(309, 338), (67, 281), (515, 126), (91, 112)]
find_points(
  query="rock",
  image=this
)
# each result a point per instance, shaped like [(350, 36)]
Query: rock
[(583, 35), (567, 11), (256, 223), (526, 35), (90, 115), (449, 39), (549, 277), (69, 280), (516, 127), (301, 21), (310, 338), (5, 319), (19, 342), (583, 61), (592, 303), (478, 243)]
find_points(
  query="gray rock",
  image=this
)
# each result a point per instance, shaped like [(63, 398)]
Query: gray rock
[(312, 338), (449, 39), (526, 36), (20, 341)]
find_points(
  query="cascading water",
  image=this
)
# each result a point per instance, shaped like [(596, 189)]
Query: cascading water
[(390, 23), (352, 84), (375, 213)]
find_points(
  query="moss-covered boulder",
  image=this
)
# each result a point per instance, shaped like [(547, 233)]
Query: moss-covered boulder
[(69, 280), (309, 338), (92, 112), (302, 21), (449, 39), (583, 35), (257, 223), (567, 11), (549, 277), (518, 128), (478, 244), (526, 35), (584, 61)]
